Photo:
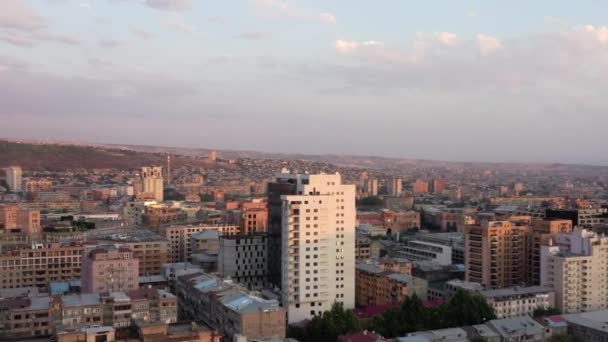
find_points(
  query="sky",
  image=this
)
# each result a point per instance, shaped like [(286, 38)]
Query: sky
[(448, 80)]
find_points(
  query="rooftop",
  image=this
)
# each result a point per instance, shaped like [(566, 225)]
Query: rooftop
[(516, 292)]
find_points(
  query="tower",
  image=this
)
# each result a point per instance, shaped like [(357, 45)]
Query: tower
[(152, 181), (14, 178), (168, 180), (317, 244)]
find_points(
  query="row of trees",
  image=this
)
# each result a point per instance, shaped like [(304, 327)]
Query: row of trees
[(327, 326), (463, 309)]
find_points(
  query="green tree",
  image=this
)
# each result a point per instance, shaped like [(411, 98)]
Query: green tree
[(326, 327), (370, 201), (561, 338), (466, 309)]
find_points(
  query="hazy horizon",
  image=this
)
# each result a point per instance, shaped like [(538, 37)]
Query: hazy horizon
[(435, 80)]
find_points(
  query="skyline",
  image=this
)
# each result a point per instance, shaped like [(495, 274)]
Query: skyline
[(460, 81)]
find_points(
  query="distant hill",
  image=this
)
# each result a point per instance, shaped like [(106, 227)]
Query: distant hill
[(53, 157)]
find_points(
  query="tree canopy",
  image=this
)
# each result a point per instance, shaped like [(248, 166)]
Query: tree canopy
[(327, 326), (461, 310)]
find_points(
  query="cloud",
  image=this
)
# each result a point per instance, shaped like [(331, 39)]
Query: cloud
[(142, 33), (28, 39), (253, 35), (284, 9), (175, 22), (487, 44), (14, 14), (423, 45), (169, 5), (472, 13), (109, 43)]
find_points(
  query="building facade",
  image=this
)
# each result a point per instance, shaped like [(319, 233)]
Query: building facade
[(14, 178), (152, 182), (318, 245), (244, 259), (109, 268)]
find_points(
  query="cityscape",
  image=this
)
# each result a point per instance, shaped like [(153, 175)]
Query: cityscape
[(303, 171)]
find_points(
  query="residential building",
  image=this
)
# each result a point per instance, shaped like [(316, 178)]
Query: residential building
[(420, 187), (254, 220), (228, 308), (40, 264), (371, 187), (377, 284), (318, 245), (496, 252), (180, 237), (521, 328), (109, 268), (14, 178), (575, 267), (422, 250), (519, 301), (543, 231), (190, 332), (580, 217), (395, 187), (438, 186), (588, 326), (362, 247), (157, 215), (32, 186), (152, 182), (244, 259), (206, 241), (14, 218)]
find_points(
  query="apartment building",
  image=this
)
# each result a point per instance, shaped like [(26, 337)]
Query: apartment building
[(40, 264), (575, 267), (109, 268), (371, 187), (422, 250), (543, 231), (318, 245), (496, 252), (379, 284), (244, 259), (180, 237), (15, 218), (519, 301), (395, 186), (14, 178), (152, 182), (420, 187), (156, 215), (362, 247), (254, 220), (229, 308), (32, 186)]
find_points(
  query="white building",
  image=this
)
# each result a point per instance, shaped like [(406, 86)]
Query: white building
[(422, 250), (318, 245), (519, 301), (152, 181), (576, 270), (14, 178)]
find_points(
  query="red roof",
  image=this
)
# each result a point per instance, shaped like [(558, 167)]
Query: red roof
[(556, 319)]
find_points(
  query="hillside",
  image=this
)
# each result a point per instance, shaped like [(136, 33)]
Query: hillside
[(60, 157)]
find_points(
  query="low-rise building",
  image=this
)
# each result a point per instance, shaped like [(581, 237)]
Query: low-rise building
[(377, 284), (422, 250), (518, 301), (228, 308)]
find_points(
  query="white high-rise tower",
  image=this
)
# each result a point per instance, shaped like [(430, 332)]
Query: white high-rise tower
[(318, 245), (14, 178)]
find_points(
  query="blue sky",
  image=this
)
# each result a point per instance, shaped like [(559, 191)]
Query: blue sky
[(452, 80)]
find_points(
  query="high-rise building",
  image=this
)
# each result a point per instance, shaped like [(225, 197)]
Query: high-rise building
[(543, 231), (371, 187), (14, 179), (212, 155), (317, 244), (437, 186), (420, 187), (496, 252), (575, 267), (109, 268), (152, 182), (396, 187)]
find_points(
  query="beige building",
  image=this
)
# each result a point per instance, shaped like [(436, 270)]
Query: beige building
[(14, 178), (40, 264), (575, 267), (14, 218), (109, 268), (380, 283), (395, 187), (32, 186), (318, 239), (496, 252), (152, 182), (519, 301), (180, 237), (371, 187)]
